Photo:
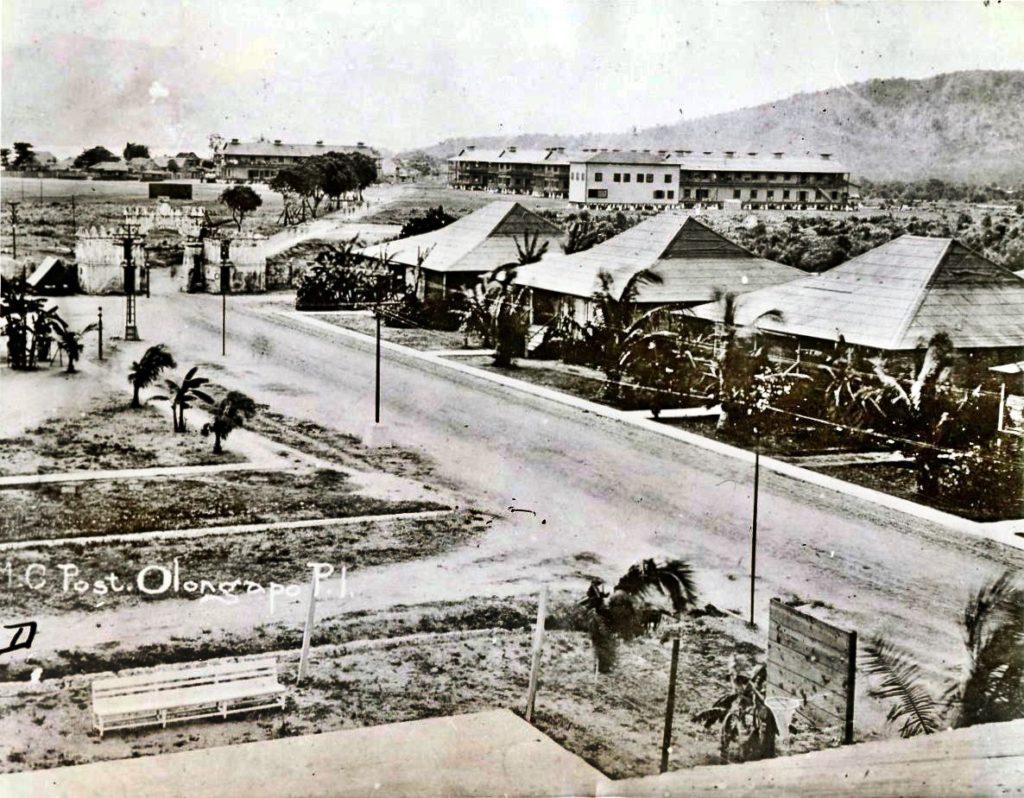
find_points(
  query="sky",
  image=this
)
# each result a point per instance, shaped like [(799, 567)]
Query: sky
[(406, 74)]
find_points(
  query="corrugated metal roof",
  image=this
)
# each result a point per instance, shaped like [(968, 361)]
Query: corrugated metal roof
[(269, 148), (757, 163), (479, 242), (623, 156), (468, 155), (896, 297), (691, 258)]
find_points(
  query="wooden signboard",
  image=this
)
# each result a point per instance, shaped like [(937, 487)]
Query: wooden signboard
[(815, 662)]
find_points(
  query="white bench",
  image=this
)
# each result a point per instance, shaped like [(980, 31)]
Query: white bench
[(165, 697)]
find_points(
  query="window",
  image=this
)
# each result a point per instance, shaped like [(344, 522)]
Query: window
[(598, 177), (650, 177), (785, 194), (625, 177), (686, 193), (803, 196), (639, 177), (735, 193), (668, 178), (597, 193), (659, 194), (835, 195), (771, 194), (617, 178), (753, 193), (671, 194)]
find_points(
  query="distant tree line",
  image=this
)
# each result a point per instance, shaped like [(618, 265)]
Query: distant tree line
[(934, 189)]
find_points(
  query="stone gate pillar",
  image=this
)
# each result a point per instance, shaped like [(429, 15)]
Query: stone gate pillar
[(193, 278)]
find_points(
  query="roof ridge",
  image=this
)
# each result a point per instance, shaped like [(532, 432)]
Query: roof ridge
[(912, 312)]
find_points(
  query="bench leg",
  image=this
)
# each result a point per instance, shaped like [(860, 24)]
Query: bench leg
[(163, 717), (223, 706)]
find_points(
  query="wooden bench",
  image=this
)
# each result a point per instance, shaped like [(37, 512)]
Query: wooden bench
[(166, 697)]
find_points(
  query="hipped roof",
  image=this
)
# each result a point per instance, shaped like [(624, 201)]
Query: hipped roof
[(692, 260), (896, 297), (479, 242)]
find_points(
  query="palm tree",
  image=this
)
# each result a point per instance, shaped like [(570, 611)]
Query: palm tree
[(496, 311), (636, 605), (582, 235), (183, 393), (990, 690), (734, 369), (70, 341), (531, 250), (146, 370), (230, 412)]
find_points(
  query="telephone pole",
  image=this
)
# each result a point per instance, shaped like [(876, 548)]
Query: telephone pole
[(131, 330)]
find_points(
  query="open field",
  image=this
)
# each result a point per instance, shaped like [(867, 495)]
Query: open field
[(417, 197)]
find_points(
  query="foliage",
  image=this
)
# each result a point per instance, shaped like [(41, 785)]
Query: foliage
[(530, 251), (434, 313), (28, 325), (5, 156), (646, 592), (991, 688), (229, 413), (183, 394), (241, 201), (341, 277), (748, 725), (132, 150), (306, 184), (430, 220), (70, 341), (93, 156), (497, 312), (23, 155), (145, 371)]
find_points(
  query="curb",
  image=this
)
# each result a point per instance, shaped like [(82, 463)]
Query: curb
[(1008, 533), (218, 531)]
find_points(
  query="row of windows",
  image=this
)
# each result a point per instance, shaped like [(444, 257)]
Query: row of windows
[(626, 177), (659, 194), (763, 177)]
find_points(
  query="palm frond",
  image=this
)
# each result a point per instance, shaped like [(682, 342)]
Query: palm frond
[(901, 681)]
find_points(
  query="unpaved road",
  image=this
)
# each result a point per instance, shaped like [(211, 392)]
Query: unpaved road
[(590, 484)]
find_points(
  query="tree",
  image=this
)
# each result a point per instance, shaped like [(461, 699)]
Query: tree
[(991, 687), (241, 201), (135, 151), (365, 169), (183, 394), (430, 220), (645, 593), (93, 156), (23, 155), (28, 326), (230, 413), (71, 342), (583, 234), (5, 156), (146, 370), (497, 313), (749, 728)]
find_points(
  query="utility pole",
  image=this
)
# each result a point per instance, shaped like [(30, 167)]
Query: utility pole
[(753, 533), (131, 330), (376, 399)]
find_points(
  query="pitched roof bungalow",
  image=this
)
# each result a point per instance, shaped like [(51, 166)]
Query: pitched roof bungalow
[(691, 260), (455, 256), (895, 297)]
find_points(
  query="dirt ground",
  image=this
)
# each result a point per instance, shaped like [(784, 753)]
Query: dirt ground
[(417, 338), (409, 668)]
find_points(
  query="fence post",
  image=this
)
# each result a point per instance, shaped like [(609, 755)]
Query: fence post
[(307, 633), (538, 644), (670, 707), (99, 330)]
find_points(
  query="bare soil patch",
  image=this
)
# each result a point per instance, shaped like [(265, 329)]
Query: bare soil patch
[(109, 436), (407, 671), (414, 337)]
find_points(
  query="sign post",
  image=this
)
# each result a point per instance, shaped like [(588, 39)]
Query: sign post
[(670, 707), (538, 645)]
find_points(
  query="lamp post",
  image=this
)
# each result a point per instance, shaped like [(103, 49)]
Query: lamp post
[(131, 331), (14, 228), (225, 287)]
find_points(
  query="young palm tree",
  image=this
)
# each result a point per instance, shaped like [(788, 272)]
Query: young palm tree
[(496, 311), (182, 395), (582, 235), (990, 690), (70, 341), (230, 413), (748, 725), (636, 605), (146, 370)]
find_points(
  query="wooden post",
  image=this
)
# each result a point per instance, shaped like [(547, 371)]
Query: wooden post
[(753, 529), (670, 707), (307, 633), (99, 330), (851, 690), (538, 644)]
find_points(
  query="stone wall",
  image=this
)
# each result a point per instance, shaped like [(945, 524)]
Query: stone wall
[(246, 258), (99, 260)]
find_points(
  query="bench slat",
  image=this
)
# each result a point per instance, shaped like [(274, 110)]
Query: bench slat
[(164, 677), (187, 696)]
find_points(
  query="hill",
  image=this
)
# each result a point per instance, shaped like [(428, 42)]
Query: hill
[(962, 126)]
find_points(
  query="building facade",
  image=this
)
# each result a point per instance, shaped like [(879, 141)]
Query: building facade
[(260, 161), (662, 178)]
